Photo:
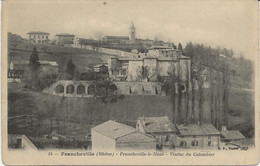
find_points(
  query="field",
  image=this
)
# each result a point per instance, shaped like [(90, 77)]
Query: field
[(75, 116)]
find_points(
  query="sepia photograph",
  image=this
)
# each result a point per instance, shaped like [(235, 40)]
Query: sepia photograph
[(148, 82)]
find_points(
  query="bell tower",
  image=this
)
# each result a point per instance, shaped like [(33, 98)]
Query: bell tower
[(132, 32)]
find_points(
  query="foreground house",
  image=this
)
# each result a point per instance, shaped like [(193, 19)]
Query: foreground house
[(160, 127), (204, 136), (112, 136), (230, 135)]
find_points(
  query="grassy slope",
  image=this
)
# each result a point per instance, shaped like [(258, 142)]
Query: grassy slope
[(85, 112)]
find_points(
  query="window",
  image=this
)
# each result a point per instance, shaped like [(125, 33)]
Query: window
[(183, 143), (209, 136), (194, 136), (34, 37), (38, 37), (46, 37), (194, 143), (167, 138), (42, 37), (209, 143)]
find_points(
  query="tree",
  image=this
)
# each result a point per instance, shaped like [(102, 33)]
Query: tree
[(180, 47), (34, 63), (33, 73), (70, 68)]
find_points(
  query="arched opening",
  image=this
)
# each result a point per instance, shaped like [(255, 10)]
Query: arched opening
[(70, 89), (156, 90), (182, 88), (81, 89), (59, 89), (113, 89), (91, 90)]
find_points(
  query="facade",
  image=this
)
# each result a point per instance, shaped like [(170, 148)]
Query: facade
[(159, 127), (159, 62), (64, 39), (112, 136), (38, 37), (199, 136), (21, 142)]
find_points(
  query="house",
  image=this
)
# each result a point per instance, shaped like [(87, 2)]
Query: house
[(112, 136), (204, 136), (17, 68), (38, 37), (17, 141), (102, 68), (160, 127), (230, 135), (64, 39)]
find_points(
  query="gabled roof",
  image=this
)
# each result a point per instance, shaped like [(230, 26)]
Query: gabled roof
[(232, 134), (113, 129), (194, 129), (117, 37), (157, 124), (38, 33), (136, 137)]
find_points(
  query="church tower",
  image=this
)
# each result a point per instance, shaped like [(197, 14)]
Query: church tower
[(132, 32)]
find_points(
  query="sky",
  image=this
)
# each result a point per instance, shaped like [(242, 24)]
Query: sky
[(231, 24)]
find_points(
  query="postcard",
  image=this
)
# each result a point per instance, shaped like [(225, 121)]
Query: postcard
[(113, 82)]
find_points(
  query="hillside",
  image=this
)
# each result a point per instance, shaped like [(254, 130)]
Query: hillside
[(79, 114), (18, 49)]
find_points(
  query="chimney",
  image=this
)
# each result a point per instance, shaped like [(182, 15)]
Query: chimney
[(224, 128)]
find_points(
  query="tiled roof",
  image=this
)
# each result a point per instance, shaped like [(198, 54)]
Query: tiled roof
[(38, 33), (113, 129), (232, 134), (194, 129), (137, 137), (157, 124), (118, 37)]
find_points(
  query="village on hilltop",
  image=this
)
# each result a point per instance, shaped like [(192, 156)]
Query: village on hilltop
[(115, 68)]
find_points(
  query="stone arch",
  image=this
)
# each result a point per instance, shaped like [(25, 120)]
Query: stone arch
[(91, 90), (113, 89), (59, 89), (182, 88), (70, 89), (81, 89)]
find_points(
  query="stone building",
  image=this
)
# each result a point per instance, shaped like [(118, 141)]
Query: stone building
[(199, 136), (160, 127), (158, 64), (38, 37), (21, 142), (17, 68), (111, 136), (64, 39)]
